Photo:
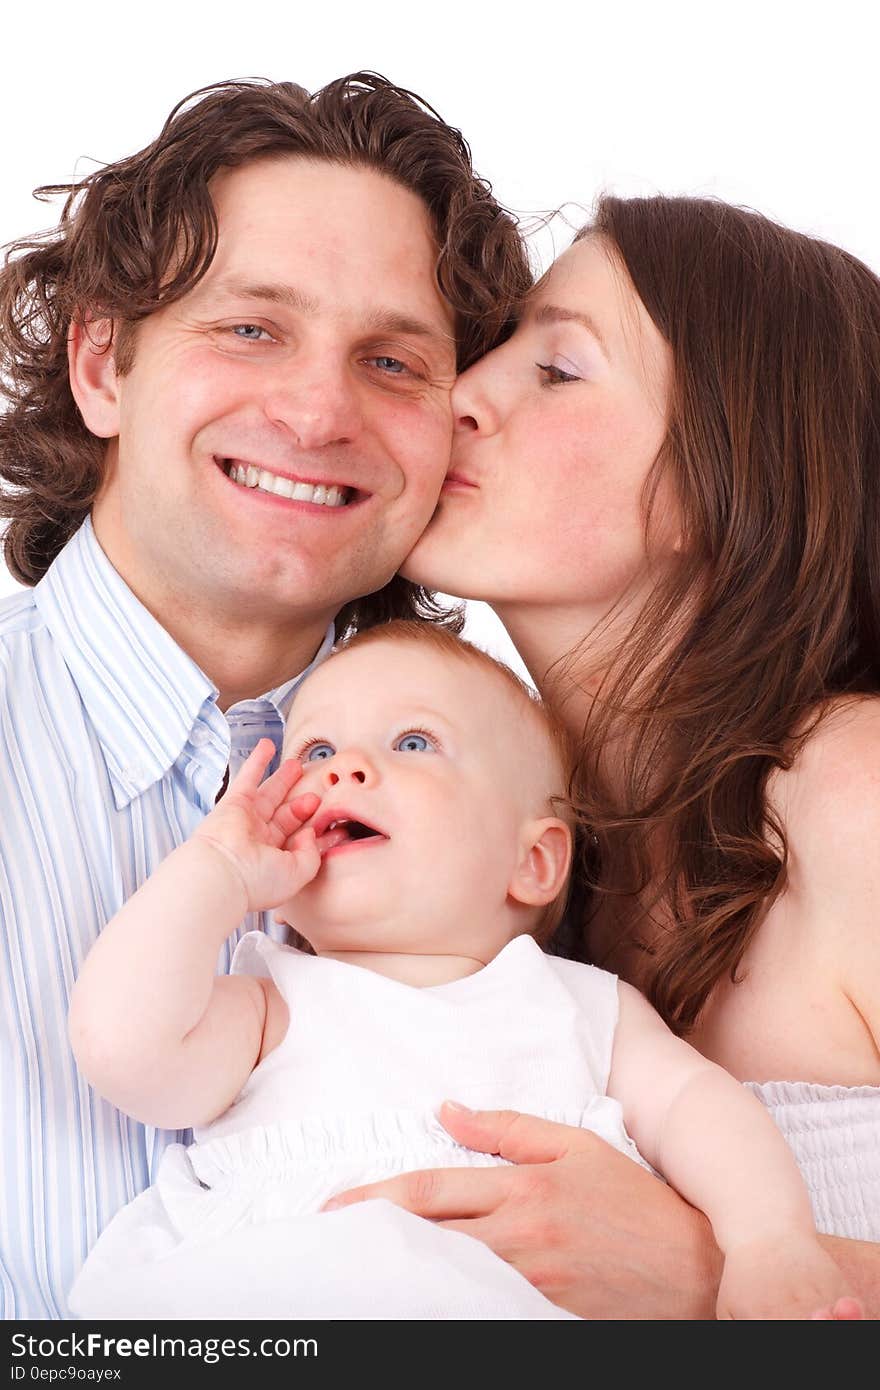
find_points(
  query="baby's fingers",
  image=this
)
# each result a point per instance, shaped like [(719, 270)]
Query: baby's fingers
[(844, 1310), (293, 814), (304, 856), (251, 773), (277, 788)]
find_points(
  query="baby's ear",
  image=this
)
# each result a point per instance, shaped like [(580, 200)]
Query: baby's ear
[(543, 863)]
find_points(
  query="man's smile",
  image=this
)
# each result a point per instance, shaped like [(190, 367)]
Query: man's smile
[(256, 477)]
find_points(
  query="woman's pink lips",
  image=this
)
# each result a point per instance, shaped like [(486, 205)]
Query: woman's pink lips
[(455, 480)]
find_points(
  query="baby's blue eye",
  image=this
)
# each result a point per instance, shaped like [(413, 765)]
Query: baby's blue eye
[(413, 743), (316, 751)]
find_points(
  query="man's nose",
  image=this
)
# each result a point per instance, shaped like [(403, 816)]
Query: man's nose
[(351, 765), (317, 405)]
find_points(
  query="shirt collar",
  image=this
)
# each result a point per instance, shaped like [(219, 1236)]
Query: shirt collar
[(141, 691)]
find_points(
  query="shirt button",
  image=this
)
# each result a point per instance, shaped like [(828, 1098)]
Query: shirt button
[(200, 736), (134, 772)]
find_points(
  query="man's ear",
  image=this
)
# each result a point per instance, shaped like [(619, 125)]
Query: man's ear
[(543, 862), (93, 379)]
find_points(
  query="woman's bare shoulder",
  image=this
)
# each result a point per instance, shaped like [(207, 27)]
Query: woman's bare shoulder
[(829, 807), (831, 793)]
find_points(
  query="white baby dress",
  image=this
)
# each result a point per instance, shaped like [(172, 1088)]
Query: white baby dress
[(349, 1097)]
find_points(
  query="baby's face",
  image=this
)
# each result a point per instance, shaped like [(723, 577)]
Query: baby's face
[(436, 765)]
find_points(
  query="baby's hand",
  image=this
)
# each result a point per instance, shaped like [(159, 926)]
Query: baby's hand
[(783, 1278), (260, 827), (845, 1310)]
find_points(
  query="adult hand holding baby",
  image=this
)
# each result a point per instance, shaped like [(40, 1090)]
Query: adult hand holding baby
[(593, 1231), (596, 1233)]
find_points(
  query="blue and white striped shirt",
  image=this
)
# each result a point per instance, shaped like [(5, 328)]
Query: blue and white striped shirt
[(112, 749)]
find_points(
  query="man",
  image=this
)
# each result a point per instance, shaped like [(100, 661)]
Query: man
[(229, 420)]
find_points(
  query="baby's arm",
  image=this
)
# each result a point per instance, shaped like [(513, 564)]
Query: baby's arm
[(153, 1028), (718, 1147)]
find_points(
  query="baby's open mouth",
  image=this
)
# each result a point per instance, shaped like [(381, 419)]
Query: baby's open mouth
[(355, 830)]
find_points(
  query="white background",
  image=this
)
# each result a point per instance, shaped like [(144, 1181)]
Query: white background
[(772, 104)]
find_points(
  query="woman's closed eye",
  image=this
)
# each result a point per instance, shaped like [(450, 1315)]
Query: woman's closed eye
[(556, 376)]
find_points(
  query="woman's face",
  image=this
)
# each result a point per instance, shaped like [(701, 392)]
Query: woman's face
[(556, 431)]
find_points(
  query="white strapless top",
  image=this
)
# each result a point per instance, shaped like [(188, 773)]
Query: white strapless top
[(834, 1133)]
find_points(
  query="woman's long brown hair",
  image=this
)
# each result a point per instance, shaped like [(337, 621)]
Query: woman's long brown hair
[(137, 235), (773, 456)]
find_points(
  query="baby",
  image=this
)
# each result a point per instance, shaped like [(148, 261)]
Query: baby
[(417, 839)]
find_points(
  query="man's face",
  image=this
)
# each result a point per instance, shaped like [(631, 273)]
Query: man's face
[(316, 354)]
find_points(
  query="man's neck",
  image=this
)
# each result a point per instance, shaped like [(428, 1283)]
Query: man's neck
[(243, 649), (244, 659)]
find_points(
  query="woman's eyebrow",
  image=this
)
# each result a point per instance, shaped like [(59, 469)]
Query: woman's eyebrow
[(555, 313)]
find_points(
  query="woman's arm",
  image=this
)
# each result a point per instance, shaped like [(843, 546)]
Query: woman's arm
[(153, 1028), (594, 1231)]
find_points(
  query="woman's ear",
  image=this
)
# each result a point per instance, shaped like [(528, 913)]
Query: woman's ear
[(543, 863), (93, 378)]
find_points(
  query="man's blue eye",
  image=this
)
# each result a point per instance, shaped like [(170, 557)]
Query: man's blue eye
[(390, 364), (316, 751), (413, 743), (249, 331)]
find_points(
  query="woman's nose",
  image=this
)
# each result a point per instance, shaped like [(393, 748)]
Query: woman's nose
[(351, 765), (476, 397)]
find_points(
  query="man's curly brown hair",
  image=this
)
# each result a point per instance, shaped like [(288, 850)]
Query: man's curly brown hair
[(138, 234)]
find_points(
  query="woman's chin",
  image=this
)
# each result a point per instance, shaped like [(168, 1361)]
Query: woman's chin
[(427, 565)]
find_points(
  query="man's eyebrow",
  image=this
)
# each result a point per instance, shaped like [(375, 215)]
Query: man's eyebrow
[(288, 295), (555, 313), (378, 321)]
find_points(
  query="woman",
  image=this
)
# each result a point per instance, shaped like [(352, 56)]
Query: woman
[(667, 484)]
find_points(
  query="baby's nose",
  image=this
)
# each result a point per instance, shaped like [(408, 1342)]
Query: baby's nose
[(351, 765), (333, 778)]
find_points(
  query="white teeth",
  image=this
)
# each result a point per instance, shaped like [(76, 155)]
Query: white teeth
[(248, 475)]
